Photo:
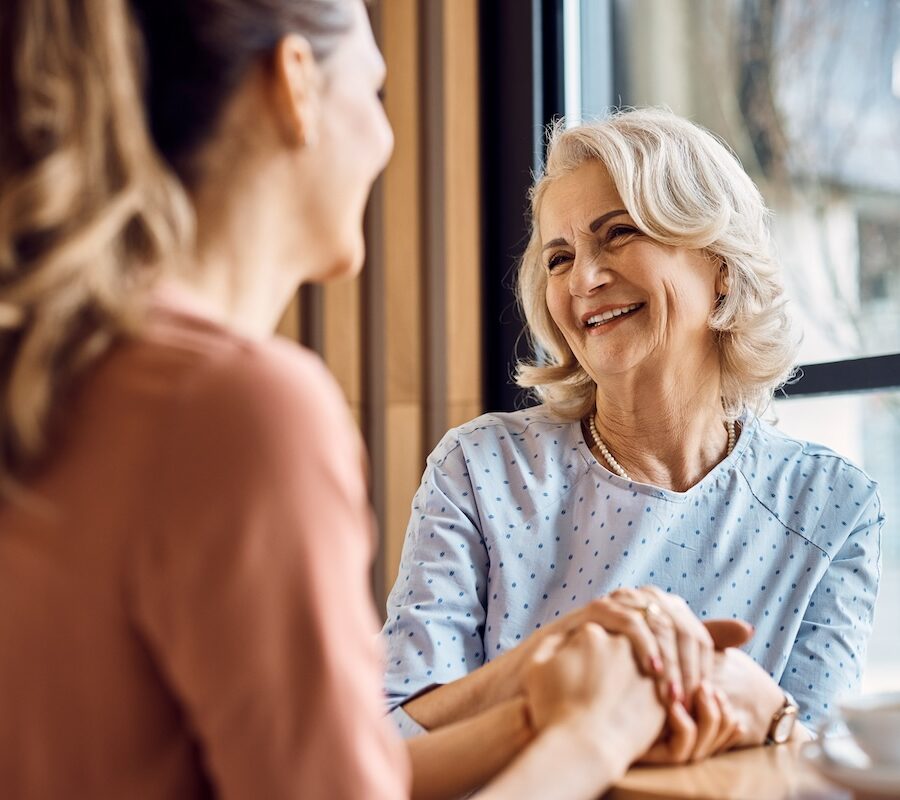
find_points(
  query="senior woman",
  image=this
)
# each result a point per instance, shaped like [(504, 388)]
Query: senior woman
[(185, 537), (653, 299)]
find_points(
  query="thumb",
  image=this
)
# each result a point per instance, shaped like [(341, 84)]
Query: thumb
[(729, 632), (547, 648)]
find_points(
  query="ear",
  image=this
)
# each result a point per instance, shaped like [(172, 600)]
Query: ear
[(297, 88)]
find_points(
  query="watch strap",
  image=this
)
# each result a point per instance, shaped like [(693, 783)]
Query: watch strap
[(779, 731)]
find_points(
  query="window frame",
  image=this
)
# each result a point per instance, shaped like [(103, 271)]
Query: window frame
[(523, 90)]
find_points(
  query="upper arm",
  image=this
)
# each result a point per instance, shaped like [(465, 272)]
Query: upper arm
[(436, 610), (252, 591), (829, 652)]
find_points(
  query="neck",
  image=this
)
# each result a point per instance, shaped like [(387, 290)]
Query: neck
[(241, 268), (669, 433), (251, 305)]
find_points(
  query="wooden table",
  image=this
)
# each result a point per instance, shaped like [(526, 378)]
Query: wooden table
[(759, 773)]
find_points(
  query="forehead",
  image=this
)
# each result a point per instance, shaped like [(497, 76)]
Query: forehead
[(573, 201)]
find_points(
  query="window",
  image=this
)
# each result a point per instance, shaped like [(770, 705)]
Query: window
[(808, 95)]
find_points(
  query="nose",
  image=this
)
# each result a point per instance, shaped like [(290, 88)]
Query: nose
[(588, 274)]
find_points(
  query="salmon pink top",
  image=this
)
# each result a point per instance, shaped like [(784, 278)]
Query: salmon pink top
[(184, 591)]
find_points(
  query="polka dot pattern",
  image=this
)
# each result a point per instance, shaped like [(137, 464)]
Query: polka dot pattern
[(515, 524)]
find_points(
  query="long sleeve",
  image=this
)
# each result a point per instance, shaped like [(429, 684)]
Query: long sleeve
[(829, 652), (436, 610), (252, 587)]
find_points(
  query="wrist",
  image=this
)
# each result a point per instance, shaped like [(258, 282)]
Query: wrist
[(609, 760), (498, 681), (522, 726), (769, 704)]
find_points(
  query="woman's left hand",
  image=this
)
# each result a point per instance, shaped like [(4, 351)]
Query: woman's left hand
[(683, 647), (752, 692), (713, 729)]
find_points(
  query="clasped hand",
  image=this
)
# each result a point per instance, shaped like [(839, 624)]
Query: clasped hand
[(638, 662)]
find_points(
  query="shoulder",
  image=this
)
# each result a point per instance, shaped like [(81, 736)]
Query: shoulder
[(803, 460), (269, 379), (536, 430), (798, 479), (216, 391)]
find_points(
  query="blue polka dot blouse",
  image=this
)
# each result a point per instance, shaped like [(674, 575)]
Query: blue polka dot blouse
[(516, 523)]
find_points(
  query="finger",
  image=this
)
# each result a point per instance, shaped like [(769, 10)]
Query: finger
[(707, 652), (709, 719), (729, 728), (693, 641), (684, 736), (704, 643), (728, 632), (736, 739), (614, 617), (689, 658), (548, 646), (670, 684), (679, 744)]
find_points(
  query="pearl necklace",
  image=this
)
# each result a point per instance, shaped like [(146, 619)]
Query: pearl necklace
[(617, 467)]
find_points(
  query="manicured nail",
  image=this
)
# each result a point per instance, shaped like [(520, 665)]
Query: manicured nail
[(675, 692), (657, 665)]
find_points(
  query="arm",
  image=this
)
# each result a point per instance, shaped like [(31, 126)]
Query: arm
[(595, 712), (829, 652), (460, 757), (501, 678), (252, 591), (437, 607), (565, 762)]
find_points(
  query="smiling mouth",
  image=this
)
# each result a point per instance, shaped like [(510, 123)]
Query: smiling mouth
[(599, 320)]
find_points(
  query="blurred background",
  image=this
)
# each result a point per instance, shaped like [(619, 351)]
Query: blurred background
[(807, 92)]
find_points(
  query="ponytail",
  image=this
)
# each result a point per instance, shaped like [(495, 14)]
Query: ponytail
[(88, 210)]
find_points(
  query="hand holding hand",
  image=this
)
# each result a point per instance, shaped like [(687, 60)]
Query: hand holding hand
[(752, 692), (715, 726), (588, 680)]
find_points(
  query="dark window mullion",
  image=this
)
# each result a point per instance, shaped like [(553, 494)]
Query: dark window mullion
[(849, 375)]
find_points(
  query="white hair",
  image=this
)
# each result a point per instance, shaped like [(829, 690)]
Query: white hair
[(682, 187)]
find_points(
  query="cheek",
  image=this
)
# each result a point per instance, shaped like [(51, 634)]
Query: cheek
[(688, 306), (557, 300), (368, 135), (556, 304)]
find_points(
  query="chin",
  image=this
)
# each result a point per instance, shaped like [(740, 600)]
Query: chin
[(612, 363), (345, 265)]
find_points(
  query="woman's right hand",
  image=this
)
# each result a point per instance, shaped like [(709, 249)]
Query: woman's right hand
[(667, 642), (751, 691), (587, 681)]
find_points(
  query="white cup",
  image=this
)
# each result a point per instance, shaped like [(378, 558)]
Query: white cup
[(874, 722)]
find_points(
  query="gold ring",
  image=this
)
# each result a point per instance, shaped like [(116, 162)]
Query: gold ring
[(650, 609)]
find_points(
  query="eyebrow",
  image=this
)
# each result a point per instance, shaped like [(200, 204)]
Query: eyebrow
[(594, 227)]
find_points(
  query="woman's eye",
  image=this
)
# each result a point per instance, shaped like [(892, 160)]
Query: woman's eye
[(619, 231), (556, 260)]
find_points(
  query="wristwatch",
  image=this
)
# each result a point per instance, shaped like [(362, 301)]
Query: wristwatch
[(782, 725)]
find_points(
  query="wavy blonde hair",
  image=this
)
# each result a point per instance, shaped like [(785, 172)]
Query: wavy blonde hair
[(103, 112), (87, 209), (682, 187)]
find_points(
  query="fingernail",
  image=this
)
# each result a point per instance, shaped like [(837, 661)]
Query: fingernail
[(675, 692), (656, 664)]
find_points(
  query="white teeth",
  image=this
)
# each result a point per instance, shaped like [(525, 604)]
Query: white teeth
[(606, 316)]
